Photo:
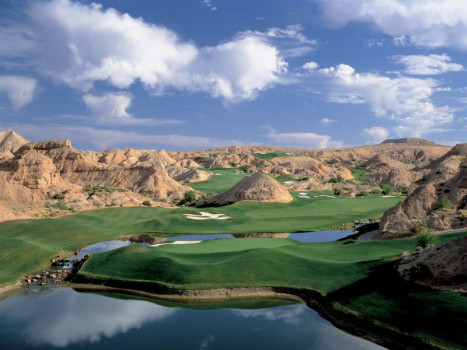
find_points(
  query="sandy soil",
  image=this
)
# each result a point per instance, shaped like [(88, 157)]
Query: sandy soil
[(206, 216), (176, 242)]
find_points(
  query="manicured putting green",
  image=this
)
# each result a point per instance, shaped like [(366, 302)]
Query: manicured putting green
[(323, 267)]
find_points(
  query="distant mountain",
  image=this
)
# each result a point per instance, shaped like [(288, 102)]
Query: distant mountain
[(410, 141)]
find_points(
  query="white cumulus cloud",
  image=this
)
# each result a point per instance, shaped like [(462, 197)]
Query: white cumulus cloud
[(20, 90), (310, 66), (112, 108), (109, 106), (428, 65), (402, 99), (57, 39), (377, 133), (431, 23), (302, 139)]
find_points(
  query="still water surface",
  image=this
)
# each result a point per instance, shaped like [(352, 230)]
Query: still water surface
[(51, 318)]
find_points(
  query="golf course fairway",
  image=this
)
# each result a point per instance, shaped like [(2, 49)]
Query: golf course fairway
[(27, 246)]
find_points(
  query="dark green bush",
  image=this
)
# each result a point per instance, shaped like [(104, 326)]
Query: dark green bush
[(442, 203), (427, 239), (190, 196), (58, 195)]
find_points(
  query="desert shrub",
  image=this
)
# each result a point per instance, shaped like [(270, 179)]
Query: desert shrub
[(375, 191), (427, 239), (403, 189), (233, 164), (147, 203), (417, 228), (61, 205), (442, 203), (58, 195), (363, 194), (245, 167), (190, 196), (336, 179), (107, 188)]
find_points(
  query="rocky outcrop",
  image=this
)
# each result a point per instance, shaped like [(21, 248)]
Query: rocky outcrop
[(193, 175), (258, 187), (442, 266), (436, 203), (42, 173), (11, 141), (385, 170)]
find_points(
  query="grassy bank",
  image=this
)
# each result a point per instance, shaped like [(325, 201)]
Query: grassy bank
[(356, 278), (221, 180), (28, 245), (227, 263)]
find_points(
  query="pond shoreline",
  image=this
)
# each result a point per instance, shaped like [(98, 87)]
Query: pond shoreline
[(347, 321)]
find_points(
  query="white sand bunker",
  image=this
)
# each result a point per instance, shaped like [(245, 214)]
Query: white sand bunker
[(175, 242), (206, 216)]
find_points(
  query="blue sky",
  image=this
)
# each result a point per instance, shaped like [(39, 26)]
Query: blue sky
[(197, 74)]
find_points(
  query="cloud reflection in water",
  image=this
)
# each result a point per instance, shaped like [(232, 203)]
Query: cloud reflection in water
[(64, 316)]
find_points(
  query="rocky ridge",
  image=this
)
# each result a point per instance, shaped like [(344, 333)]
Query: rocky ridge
[(40, 176), (438, 202)]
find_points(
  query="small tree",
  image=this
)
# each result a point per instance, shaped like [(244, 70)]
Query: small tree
[(386, 189), (426, 239), (190, 196)]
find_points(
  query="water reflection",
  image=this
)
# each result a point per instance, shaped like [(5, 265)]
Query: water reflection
[(60, 317), (287, 315), (66, 319)]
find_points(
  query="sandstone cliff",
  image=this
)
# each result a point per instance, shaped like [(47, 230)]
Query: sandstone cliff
[(437, 203)]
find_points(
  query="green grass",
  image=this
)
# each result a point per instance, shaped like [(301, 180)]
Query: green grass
[(267, 156), (219, 183), (323, 267), (28, 245), (288, 177), (355, 277), (360, 173)]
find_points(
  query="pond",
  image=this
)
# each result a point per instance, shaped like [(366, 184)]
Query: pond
[(319, 236), (50, 318), (105, 246)]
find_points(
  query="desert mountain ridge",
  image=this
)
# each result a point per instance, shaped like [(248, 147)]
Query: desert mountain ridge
[(49, 178)]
